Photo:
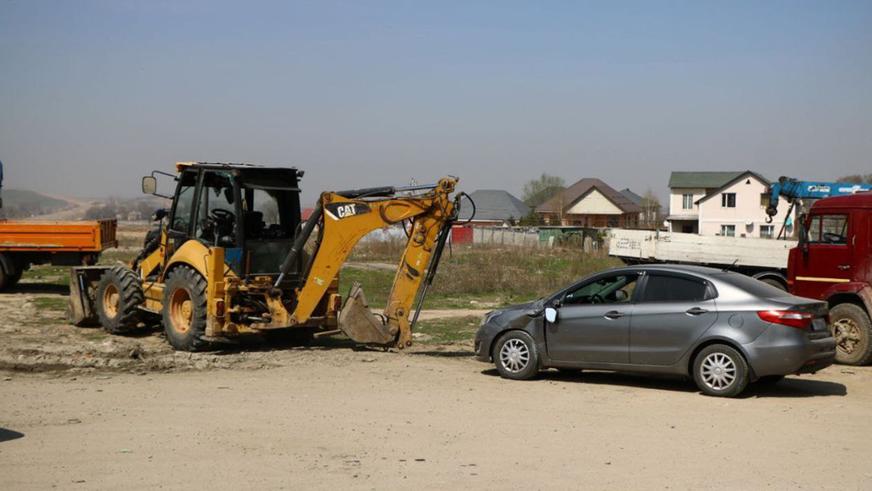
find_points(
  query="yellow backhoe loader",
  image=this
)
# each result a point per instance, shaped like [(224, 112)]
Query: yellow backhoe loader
[(229, 258)]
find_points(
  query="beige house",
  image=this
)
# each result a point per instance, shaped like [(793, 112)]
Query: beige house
[(723, 203), (590, 203)]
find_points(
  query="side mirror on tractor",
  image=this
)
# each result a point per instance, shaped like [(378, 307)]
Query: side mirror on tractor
[(149, 185)]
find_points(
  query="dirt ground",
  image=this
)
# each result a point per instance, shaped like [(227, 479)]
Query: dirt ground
[(80, 409), (338, 418)]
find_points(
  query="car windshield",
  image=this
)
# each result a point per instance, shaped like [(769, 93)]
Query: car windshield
[(750, 285)]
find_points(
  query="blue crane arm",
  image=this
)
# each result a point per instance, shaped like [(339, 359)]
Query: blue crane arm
[(792, 189)]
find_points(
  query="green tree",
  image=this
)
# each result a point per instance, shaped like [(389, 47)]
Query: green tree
[(540, 190)]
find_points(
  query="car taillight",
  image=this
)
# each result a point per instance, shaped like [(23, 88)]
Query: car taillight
[(792, 318)]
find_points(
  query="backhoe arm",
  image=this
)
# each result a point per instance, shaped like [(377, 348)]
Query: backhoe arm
[(348, 219)]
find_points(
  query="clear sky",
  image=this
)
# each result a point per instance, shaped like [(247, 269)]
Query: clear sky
[(95, 94)]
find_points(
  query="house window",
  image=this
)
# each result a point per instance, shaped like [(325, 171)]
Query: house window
[(728, 200), (766, 231), (728, 230), (764, 200), (686, 201)]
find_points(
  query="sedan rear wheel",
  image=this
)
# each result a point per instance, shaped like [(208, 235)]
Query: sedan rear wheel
[(720, 370), (515, 356)]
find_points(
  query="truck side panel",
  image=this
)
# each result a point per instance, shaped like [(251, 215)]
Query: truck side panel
[(95, 236), (652, 246)]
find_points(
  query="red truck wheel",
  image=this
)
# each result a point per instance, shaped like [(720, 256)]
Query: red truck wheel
[(852, 329)]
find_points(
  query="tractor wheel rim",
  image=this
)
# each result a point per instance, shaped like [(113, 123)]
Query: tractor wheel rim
[(718, 371), (111, 299), (515, 355), (847, 334), (181, 310)]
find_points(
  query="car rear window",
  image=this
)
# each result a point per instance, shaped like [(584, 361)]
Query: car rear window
[(752, 286), (660, 288)]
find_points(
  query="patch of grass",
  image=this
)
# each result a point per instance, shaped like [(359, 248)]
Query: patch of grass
[(388, 250), (482, 277), (376, 283), (515, 273), (448, 330), (51, 303), (113, 256), (47, 274)]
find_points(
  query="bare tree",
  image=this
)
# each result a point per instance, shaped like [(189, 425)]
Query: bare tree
[(540, 190), (650, 209), (857, 179)]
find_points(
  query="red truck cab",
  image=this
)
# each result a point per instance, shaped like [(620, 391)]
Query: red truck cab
[(833, 262)]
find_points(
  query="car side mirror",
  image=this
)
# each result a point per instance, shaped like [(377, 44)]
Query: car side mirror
[(149, 185), (551, 314)]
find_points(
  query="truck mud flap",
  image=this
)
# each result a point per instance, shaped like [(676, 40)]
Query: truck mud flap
[(358, 322)]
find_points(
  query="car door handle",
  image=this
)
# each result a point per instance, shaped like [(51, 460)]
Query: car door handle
[(844, 267), (613, 314), (696, 311)]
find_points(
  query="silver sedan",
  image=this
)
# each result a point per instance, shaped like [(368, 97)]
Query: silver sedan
[(721, 328)]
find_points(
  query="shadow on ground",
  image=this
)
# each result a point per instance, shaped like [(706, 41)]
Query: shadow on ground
[(39, 288), (6, 435), (789, 387)]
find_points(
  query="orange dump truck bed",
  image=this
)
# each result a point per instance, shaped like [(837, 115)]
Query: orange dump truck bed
[(21, 236), (23, 244)]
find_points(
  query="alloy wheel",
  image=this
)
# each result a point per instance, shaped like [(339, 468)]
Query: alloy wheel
[(718, 371), (515, 355)]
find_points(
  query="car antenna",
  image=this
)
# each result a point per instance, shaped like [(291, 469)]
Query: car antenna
[(728, 268)]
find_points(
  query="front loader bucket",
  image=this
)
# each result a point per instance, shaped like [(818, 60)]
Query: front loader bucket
[(359, 323)]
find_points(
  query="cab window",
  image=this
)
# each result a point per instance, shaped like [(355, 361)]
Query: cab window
[(607, 290), (216, 223), (184, 203), (828, 229)]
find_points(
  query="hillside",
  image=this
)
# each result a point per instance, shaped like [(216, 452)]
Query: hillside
[(20, 203)]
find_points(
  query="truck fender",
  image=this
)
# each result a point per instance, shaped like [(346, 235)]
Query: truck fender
[(862, 291)]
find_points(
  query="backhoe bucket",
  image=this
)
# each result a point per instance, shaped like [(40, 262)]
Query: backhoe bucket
[(359, 323)]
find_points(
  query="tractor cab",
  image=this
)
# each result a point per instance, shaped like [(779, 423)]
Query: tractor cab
[(251, 212)]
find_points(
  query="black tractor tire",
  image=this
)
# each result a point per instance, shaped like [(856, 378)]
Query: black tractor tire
[(14, 278), (184, 309), (852, 329), (118, 298), (720, 371), (515, 356), (7, 272)]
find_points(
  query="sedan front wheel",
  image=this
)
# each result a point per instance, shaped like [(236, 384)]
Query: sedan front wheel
[(515, 356)]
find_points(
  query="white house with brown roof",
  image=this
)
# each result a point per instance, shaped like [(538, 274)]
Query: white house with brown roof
[(723, 203), (590, 203)]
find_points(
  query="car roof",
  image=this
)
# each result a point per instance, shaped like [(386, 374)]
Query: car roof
[(675, 268)]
